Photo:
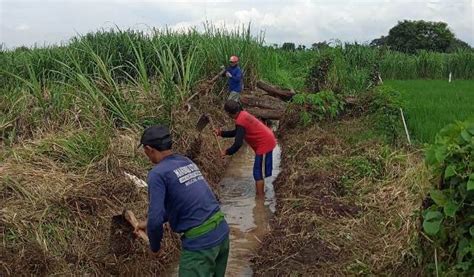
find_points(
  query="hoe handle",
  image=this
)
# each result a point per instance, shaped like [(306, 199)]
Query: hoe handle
[(215, 136), (217, 76), (211, 81), (130, 217)]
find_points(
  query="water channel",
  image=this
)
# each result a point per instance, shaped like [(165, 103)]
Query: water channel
[(247, 216)]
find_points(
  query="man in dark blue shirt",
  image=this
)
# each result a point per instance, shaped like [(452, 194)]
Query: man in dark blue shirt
[(179, 194), (234, 75)]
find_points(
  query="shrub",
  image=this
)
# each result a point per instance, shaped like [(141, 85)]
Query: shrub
[(384, 104), (449, 220), (324, 104)]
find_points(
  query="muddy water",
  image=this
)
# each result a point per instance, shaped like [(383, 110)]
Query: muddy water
[(247, 216)]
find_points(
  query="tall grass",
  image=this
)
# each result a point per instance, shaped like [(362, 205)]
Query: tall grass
[(427, 65), (284, 68), (69, 119), (107, 73), (353, 66), (140, 67)]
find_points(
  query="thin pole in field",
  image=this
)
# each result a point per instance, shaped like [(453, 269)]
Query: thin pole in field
[(450, 75), (405, 125)]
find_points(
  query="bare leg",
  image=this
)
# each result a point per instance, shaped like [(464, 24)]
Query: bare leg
[(260, 188)]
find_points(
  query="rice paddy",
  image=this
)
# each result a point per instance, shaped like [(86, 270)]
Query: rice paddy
[(429, 105)]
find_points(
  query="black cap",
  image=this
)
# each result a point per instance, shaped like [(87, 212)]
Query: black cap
[(156, 136)]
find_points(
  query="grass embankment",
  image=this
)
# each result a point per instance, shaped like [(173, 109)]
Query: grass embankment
[(70, 120), (348, 200), (60, 191), (429, 105)]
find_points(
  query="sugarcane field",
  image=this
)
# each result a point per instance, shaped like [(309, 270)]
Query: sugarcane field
[(236, 138)]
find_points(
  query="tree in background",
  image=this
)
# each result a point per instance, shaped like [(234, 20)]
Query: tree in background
[(319, 45), (411, 36), (378, 42), (458, 44), (301, 47), (289, 46)]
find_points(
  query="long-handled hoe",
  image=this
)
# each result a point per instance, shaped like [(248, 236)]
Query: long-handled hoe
[(202, 123), (121, 232)]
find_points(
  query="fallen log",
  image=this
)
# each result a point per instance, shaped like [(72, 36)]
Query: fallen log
[(259, 92), (284, 94), (264, 101), (266, 113)]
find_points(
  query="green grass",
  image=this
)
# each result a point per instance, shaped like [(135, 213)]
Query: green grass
[(429, 105)]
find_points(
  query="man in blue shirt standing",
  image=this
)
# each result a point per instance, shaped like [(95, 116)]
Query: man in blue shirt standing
[(234, 76), (179, 194)]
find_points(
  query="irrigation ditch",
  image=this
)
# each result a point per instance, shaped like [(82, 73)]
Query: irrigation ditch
[(345, 199), (57, 219)]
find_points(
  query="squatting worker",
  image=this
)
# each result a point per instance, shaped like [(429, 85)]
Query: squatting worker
[(179, 194), (260, 138), (234, 76)]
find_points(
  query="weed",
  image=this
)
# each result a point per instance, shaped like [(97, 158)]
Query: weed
[(385, 109), (78, 148), (317, 106)]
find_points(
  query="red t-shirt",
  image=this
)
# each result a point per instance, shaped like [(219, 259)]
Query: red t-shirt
[(257, 135)]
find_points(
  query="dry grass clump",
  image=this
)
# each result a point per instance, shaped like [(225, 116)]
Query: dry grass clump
[(347, 204), (60, 191)]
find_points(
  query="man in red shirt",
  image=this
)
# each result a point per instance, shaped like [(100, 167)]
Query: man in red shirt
[(257, 135)]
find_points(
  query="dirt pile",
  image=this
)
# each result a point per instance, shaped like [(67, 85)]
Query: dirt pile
[(346, 203)]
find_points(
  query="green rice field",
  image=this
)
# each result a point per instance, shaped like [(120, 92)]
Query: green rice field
[(429, 105)]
